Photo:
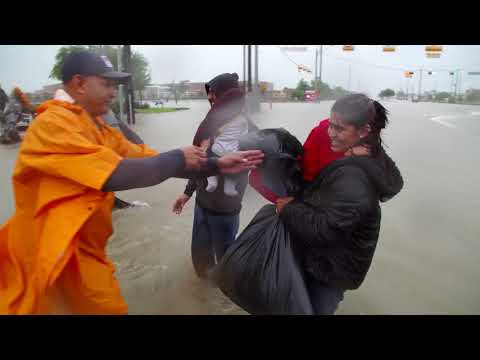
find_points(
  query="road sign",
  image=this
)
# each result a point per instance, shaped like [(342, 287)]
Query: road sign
[(294, 48), (433, 55)]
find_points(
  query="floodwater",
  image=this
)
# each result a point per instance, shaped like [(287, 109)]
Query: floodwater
[(427, 259)]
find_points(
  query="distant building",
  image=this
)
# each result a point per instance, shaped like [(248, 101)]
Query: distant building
[(278, 95), (46, 93), (264, 86), (154, 92), (194, 89)]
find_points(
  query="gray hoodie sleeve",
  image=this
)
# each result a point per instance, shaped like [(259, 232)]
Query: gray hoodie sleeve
[(150, 171)]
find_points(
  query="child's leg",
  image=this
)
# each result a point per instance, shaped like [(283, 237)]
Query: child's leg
[(229, 186), (212, 183)]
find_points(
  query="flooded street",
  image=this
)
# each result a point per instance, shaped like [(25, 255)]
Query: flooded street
[(427, 260)]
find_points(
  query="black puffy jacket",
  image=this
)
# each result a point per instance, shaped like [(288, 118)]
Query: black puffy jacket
[(336, 220)]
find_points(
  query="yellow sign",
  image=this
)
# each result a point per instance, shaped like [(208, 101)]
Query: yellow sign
[(434, 48), (389, 48)]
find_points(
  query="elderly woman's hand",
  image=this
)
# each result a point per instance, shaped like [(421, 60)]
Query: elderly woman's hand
[(359, 150), (281, 202)]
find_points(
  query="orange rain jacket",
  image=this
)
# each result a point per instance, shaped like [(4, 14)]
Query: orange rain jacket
[(54, 245)]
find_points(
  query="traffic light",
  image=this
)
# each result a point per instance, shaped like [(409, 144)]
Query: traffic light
[(433, 51), (430, 73), (452, 73), (409, 74), (303, 68), (348, 47), (388, 48)]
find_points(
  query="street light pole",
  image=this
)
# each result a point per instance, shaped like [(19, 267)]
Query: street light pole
[(349, 75), (420, 84)]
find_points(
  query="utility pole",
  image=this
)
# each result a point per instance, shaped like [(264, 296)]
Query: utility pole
[(256, 65), (459, 83), (257, 84), (130, 95), (316, 69), (408, 84), (456, 81), (120, 87), (244, 67), (420, 85), (452, 83), (249, 68)]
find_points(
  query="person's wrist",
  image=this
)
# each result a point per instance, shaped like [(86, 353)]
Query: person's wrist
[(213, 163)]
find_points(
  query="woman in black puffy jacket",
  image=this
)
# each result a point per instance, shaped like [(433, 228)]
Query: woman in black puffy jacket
[(336, 220)]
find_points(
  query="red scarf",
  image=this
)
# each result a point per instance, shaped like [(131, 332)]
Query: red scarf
[(317, 155), (317, 151)]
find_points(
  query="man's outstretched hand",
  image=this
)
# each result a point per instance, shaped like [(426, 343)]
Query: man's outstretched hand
[(240, 161)]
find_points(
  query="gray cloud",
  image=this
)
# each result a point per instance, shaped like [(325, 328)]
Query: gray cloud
[(28, 66)]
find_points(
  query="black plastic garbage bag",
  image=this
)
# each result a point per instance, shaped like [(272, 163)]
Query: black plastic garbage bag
[(280, 169), (260, 272)]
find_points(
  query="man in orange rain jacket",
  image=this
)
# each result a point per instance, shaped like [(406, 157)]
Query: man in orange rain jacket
[(52, 250)]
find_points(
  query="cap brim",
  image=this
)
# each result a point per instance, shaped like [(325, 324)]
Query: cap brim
[(116, 75)]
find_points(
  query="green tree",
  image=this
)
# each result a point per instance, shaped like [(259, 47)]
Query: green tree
[(56, 72), (442, 96), (339, 92), (299, 92), (303, 85), (140, 69), (473, 96), (324, 88), (387, 93)]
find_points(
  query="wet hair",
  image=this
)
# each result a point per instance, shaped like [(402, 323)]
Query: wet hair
[(359, 110)]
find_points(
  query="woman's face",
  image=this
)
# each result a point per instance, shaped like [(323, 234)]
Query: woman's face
[(343, 135), (212, 97)]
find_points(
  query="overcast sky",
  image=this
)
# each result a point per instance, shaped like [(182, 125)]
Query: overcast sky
[(371, 70)]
